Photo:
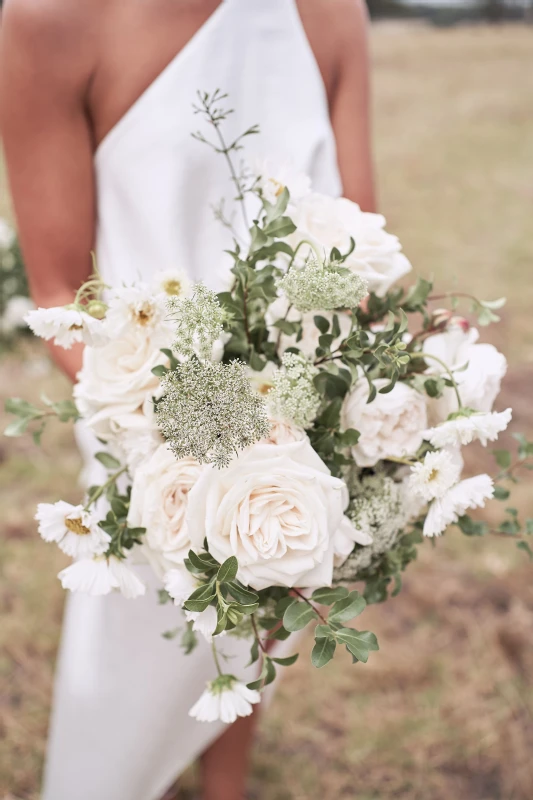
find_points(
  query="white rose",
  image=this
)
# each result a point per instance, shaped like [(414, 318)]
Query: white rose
[(279, 511), (391, 425), (330, 222), (159, 502), (310, 334), (282, 431), (134, 437), (117, 379), (479, 384)]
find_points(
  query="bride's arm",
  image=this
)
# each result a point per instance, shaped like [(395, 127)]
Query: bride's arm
[(350, 107), (45, 66)]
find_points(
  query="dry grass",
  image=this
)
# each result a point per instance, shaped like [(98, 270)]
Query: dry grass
[(445, 710)]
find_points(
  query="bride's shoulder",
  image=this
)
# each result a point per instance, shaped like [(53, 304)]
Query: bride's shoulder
[(46, 21), (52, 34)]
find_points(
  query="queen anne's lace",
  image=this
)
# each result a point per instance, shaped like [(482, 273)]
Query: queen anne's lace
[(198, 322), (293, 395), (322, 287), (378, 508), (210, 411)]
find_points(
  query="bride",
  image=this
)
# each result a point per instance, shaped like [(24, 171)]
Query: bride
[(96, 120)]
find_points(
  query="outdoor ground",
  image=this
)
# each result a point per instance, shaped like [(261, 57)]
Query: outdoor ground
[(445, 709)]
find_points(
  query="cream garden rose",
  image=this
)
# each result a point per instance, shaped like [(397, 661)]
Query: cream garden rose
[(117, 379), (392, 424), (330, 222), (279, 511), (159, 503)]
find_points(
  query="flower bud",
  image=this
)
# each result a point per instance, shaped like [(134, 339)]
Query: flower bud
[(96, 309)]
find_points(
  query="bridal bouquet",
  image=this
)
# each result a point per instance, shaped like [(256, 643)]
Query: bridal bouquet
[(266, 448)]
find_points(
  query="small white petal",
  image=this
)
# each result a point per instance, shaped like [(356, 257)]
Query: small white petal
[(204, 622), (460, 431), (433, 477), (470, 493), (180, 584)]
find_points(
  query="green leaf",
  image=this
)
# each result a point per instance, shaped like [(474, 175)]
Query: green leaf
[(323, 652), (500, 493), (349, 438), (297, 616), (280, 228), (160, 370), (170, 634), (526, 548), (17, 427), (322, 324), (189, 640), (239, 593), (326, 596), (108, 461), (503, 458), (347, 608), (359, 643), (163, 597), (228, 570), (201, 598), (286, 662), (324, 632), (418, 294), (282, 605)]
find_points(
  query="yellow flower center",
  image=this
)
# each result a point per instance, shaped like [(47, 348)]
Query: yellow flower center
[(76, 526), (173, 287), (433, 475), (264, 388)]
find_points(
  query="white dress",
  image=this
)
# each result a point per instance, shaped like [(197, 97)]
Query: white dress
[(120, 728)]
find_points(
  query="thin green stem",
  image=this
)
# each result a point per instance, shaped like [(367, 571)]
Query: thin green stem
[(312, 245), (309, 603), (101, 490), (215, 657), (398, 460), (446, 369)]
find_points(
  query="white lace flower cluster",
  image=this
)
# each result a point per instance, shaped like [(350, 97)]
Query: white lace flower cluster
[(209, 411), (197, 323), (293, 395), (379, 508), (322, 287)]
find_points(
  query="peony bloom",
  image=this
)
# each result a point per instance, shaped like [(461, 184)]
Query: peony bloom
[(159, 502), (479, 383), (117, 379), (75, 530), (66, 326), (279, 511), (180, 584), (460, 431), (470, 493), (225, 699), (330, 222), (204, 622), (100, 576), (392, 424), (435, 475)]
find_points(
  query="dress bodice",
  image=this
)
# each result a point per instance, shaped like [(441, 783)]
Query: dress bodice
[(157, 185)]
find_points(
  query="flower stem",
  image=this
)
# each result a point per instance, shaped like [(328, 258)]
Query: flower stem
[(215, 656), (309, 603), (398, 460), (446, 369), (101, 489)]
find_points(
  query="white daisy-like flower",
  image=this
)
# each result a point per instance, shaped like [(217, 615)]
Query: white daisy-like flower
[(75, 530), (470, 493), (433, 476), (180, 584), (462, 430), (204, 622), (225, 699), (100, 576), (138, 306), (172, 282), (67, 326)]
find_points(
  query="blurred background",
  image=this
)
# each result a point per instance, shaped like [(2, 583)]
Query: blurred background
[(445, 709)]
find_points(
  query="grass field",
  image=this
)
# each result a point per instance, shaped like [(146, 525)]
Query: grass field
[(445, 709)]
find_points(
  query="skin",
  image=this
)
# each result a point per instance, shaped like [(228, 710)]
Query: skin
[(64, 86)]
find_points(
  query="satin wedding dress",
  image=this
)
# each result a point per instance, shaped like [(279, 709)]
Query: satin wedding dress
[(120, 728)]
